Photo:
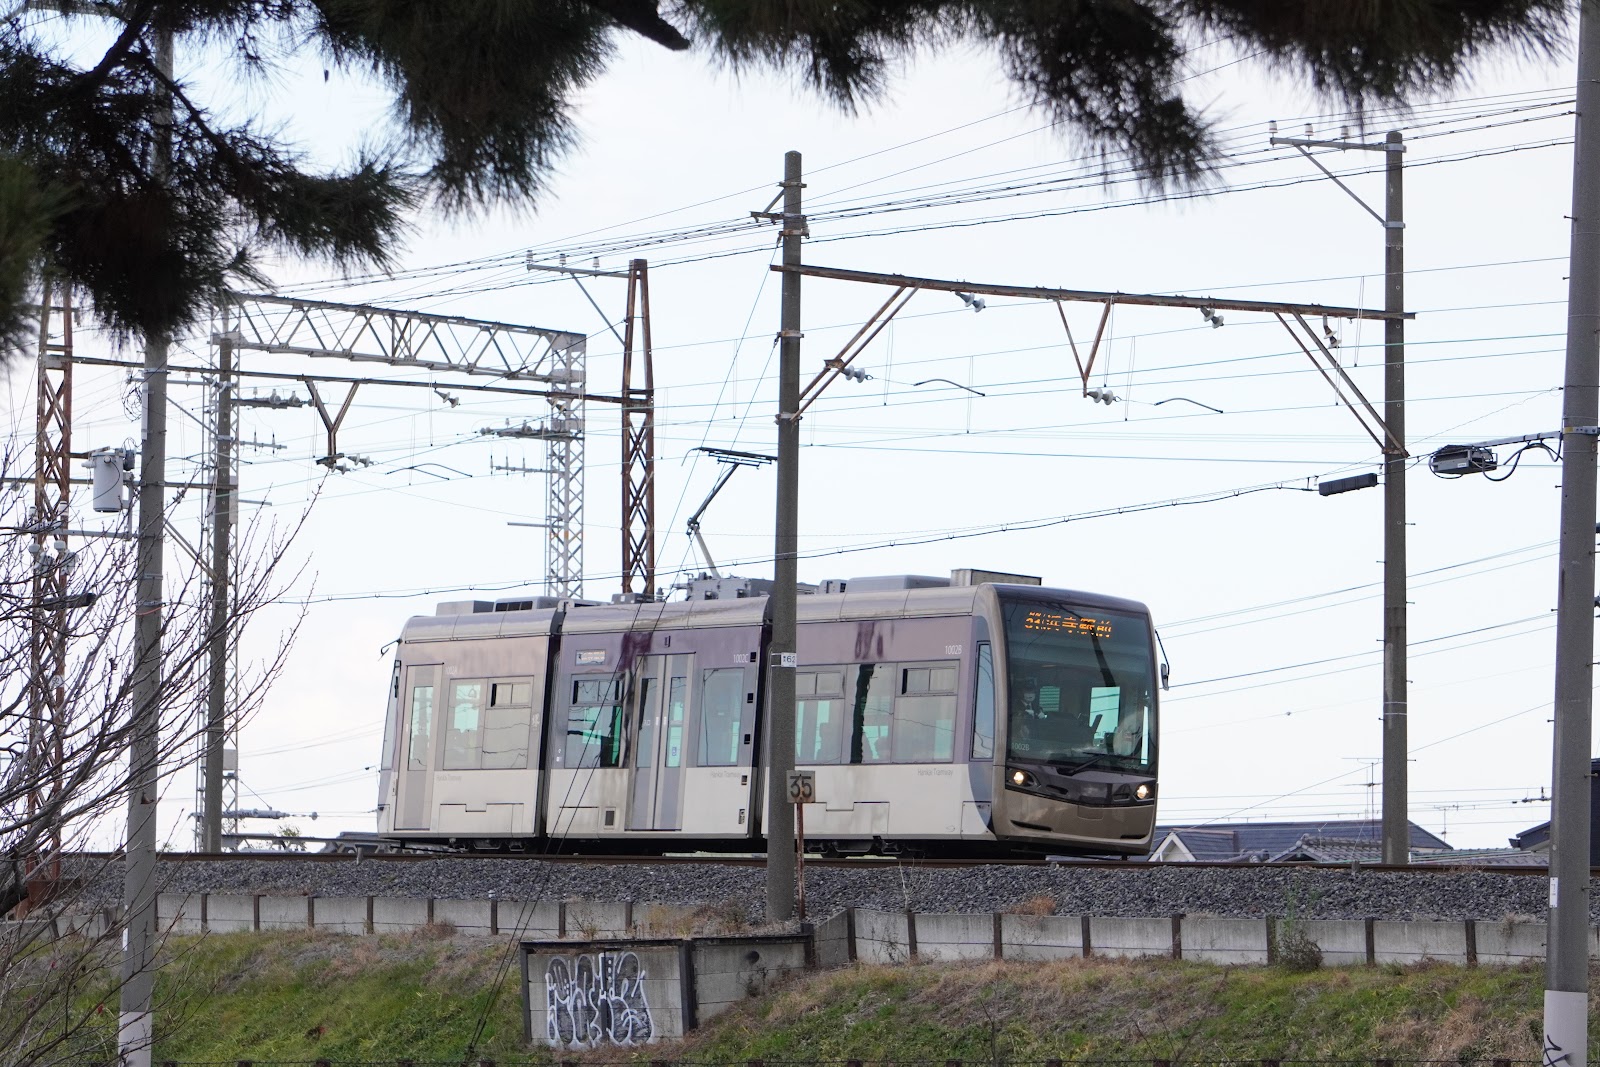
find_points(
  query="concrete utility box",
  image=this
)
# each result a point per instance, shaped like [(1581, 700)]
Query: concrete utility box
[(631, 992)]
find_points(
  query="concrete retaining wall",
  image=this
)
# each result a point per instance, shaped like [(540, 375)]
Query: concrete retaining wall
[(955, 936), (882, 936), (730, 969), (643, 987), (858, 934), (833, 940), (1410, 942), (342, 915), (1510, 942), (625, 993), (1041, 937), (1342, 941), (1230, 941), (1132, 938)]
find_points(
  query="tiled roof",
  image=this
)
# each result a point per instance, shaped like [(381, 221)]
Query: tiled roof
[(1265, 840), (1483, 857)]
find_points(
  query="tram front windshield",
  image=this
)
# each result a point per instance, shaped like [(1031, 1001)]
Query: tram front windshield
[(1081, 686)]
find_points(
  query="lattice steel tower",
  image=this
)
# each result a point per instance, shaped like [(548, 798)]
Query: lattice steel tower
[(52, 568)]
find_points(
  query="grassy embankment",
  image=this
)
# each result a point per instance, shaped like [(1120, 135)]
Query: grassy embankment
[(304, 997)]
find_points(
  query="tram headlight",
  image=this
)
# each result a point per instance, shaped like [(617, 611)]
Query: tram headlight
[(1144, 791), (1022, 778)]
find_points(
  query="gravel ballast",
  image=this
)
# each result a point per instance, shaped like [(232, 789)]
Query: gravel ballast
[(1128, 890)]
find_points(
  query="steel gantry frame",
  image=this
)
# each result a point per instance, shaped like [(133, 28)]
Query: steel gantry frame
[(1290, 315), (446, 344), (638, 441), (47, 645)]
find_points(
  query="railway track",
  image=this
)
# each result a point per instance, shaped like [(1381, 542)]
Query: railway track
[(852, 863)]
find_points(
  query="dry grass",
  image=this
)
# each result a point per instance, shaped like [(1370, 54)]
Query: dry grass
[(1043, 904), (1132, 1009)]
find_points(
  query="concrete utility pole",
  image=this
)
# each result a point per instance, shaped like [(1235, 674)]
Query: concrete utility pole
[(1396, 835), (136, 1020), (779, 829), (222, 504), (1566, 996), (1396, 820)]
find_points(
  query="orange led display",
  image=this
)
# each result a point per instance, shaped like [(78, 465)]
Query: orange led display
[(1052, 622)]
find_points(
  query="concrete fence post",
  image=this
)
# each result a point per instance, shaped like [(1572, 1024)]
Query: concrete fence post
[(371, 924), (1472, 943), (1088, 945), (911, 934), (850, 933), (1372, 943), (1177, 937), (999, 937)]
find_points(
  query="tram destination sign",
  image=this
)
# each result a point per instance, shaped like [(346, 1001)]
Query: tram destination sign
[(1067, 623)]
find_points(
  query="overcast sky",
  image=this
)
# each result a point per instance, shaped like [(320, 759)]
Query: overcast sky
[(1267, 594)]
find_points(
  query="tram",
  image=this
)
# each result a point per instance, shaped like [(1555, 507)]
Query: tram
[(982, 714)]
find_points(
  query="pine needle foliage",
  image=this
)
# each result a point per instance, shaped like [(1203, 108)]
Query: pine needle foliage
[(123, 183)]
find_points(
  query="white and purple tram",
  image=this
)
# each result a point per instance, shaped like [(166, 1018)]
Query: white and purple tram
[(939, 717)]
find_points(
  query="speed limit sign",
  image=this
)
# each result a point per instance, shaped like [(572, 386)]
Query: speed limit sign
[(802, 787)]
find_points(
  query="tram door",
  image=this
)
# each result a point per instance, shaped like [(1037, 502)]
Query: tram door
[(661, 713), (417, 750)]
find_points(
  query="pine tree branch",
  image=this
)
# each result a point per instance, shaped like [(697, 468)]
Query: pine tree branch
[(642, 18), (138, 21)]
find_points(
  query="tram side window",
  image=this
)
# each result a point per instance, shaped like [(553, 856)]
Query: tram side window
[(677, 698), (819, 716), (872, 712), (925, 714), (721, 716), (506, 722), (421, 727), (462, 735), (983, 706), (594, 724)]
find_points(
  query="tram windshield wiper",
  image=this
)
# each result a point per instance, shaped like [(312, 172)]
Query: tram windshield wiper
[(1073, 769)]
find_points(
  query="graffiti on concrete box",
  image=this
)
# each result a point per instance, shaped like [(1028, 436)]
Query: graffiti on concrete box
[(595, 1000)]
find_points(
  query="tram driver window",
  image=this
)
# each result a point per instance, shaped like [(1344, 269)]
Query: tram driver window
[(594, 724), (983, 707), (462, 722)]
